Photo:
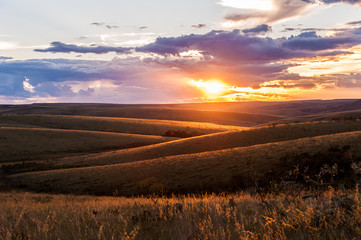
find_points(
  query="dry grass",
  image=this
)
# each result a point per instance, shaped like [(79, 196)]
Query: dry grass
[(210, 171), (109, 124), (330, 215), (212, 142), (24, 144), (355, 114), (177, 112)]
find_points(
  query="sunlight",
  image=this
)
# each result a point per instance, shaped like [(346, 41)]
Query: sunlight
[(213, 87), (265, 5), (325, 65), (6, 45), (191, 53), (217, 91)]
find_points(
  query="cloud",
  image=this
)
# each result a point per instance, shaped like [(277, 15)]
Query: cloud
[(199, 26), (245, 59), (314, 29), (354, 23), (5, 58), (235, 57), (341, 1), (102, 24), (244, 16), (221, 45), (281, 10), (27, 86), (127, 80), (98, 24), (311, 41), (234, 46), (263, 28), (59, 47)]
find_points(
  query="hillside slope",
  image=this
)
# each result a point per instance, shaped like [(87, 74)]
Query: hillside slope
[(211, 142), (24, 144), (109, 124), (159, 112), (208, 171)]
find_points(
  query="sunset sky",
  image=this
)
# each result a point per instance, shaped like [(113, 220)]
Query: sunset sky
[(172, 51)]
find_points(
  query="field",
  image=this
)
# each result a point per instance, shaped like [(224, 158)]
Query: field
[(284, 171), (26, 144), (332, 215)]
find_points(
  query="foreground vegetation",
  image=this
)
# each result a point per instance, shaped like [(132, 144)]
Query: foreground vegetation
[(327, 215)]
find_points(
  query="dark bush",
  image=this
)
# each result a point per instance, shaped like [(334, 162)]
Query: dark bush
[(181, 133)]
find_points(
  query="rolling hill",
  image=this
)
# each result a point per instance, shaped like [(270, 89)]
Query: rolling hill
[(212, 142), (25, 144), (207, 171), (111, 124)]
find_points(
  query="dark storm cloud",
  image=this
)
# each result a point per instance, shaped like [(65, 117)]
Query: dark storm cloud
[(263, 28), (59, 47)]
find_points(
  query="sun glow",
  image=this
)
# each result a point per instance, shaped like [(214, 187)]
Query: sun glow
[(216, 91), (212, 87), (265, 5)]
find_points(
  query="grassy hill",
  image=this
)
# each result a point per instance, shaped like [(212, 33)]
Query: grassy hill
[(25, 144), (207, 171), (110, 124), (160, 112), (212, 142), (168, 111), (336, 116)]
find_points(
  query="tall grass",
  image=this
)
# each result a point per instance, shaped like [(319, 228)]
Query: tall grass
[(330, 215)]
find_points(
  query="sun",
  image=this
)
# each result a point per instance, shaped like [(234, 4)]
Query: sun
[(212, 87)]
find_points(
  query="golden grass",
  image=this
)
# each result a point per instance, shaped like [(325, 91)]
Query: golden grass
[(111, 124), (330, 215), (324, 117), (23, 144), (184, 173), (212, 142), (177, 112)]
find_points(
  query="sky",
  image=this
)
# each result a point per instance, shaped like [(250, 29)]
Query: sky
[(171, 51)]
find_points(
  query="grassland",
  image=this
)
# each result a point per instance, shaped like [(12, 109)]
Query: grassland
[(26, 144), (207, 171), (330, 215), (109, 124), (157, 112), (274, 181), (213, 142)]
